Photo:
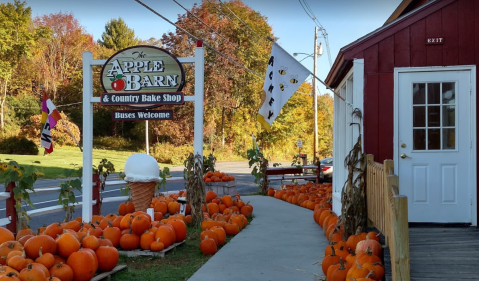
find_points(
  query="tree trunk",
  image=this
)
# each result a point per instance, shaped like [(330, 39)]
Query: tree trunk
[(223, 127), (2, 104)]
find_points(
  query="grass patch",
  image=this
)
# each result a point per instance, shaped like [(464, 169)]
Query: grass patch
[(53, 166), (178, 264)]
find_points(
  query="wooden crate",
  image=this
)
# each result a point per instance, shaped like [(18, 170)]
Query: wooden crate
[(139, 252), (222, 188), (109, 273)]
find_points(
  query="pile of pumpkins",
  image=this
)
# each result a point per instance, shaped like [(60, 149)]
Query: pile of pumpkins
[(217, 177), (58, 253), (222, 216), (356, 259), (306, 195)]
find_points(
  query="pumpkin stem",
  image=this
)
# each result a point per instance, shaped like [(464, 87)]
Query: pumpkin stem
[(40, 252), (109, 224), (368, 251), (10, 274), (358, 230), (341, 264), (333, 251), (370, 274)]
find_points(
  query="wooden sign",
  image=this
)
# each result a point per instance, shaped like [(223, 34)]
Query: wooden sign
[(435, 41), (142, 99), (133, 115), (142, 70)]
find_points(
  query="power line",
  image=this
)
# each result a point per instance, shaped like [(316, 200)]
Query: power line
[(198, 39), (211, 29), (310, 13)]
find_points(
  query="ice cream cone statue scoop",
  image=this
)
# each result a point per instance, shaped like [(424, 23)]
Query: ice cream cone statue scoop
[(142, 173)]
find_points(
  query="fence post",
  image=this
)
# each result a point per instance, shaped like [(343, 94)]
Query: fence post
[(10, 210), (388, 166), (369, 205), (95, 194), (400, 255)]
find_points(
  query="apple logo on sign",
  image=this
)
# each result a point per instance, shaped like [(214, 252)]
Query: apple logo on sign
[(117, 83)]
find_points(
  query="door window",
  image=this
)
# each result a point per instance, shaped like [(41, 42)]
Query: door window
[(434, 116)]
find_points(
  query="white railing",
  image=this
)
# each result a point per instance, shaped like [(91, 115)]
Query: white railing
[(11, 216)]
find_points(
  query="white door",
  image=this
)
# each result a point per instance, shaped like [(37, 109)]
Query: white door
[(434, 145)]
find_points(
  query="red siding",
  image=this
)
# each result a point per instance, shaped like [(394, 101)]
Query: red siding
[(386, 55), (466, 31), (371, 57), (371, 105), (433, 30), (402, 50), (418, 44), (386, 123), (450, 51)]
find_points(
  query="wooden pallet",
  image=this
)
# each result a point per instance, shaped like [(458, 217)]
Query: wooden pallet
[(109, 273), (138, 253)]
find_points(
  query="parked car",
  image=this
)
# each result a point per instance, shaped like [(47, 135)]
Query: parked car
[(326, 166)]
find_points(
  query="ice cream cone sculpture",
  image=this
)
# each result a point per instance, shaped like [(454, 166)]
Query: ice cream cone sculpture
[(142, 173)]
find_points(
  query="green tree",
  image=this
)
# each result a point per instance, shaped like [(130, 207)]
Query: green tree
[(117, 35), (17, 39)]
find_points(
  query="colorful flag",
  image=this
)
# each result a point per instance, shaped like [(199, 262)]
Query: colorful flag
[(50, 116), (284, 75)]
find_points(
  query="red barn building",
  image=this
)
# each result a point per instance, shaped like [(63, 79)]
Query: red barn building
[(414, 81)]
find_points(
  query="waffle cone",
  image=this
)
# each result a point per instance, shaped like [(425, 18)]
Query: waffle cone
[(142, 193)]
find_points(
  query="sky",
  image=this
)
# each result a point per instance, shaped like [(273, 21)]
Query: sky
[(343, 20)]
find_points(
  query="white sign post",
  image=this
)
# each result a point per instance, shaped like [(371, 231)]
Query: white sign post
[(89, 99), (299, 143)]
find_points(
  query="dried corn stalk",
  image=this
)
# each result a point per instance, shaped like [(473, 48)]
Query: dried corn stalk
[(195, 187), (353, 199)]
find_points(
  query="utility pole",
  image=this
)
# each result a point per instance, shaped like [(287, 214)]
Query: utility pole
[(315, 96)]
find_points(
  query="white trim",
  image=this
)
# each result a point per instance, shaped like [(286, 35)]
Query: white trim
[(351, 89), (473, 159)]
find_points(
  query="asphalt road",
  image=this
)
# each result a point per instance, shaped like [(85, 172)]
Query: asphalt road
[(240, 170)]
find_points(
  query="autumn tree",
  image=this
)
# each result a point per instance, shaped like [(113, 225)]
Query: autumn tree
[(17, 39), (231, 92), (60, 56), (117, 35)]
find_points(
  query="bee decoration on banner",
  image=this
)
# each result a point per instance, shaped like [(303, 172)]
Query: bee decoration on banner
[(282, 86), (294, 79), (282, 70)]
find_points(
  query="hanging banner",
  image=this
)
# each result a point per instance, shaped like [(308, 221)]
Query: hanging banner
[(142, 70)]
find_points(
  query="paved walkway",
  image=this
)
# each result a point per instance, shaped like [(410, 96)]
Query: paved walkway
[(281, 243)]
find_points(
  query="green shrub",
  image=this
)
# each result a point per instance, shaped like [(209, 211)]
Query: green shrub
[(117, 143), (170, 154), (18, 145)]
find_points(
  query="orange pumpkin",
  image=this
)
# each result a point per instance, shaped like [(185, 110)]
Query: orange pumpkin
[(83, 265), (46, 259), (157, 246), (6, 235), (107, 258), (67, 244), (208, 246), (32, 273), (130, 241), (179, 227), (32, 246), (63, 271)]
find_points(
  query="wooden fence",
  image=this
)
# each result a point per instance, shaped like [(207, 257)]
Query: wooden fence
[(388, 211)]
